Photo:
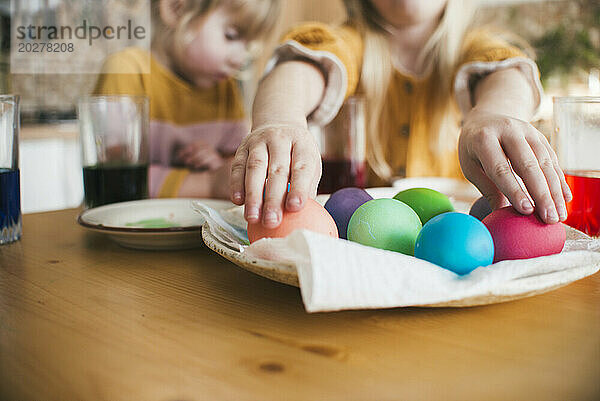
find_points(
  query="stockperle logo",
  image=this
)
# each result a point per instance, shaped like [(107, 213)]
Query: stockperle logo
[(77, 36)]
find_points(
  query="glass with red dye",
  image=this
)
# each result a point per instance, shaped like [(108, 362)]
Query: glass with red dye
[(576, 140), (584, 209)]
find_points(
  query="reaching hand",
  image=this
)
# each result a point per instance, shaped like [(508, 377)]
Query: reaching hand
[(493, 147), (269, 158)]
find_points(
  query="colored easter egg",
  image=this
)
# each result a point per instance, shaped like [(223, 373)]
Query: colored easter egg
[(342, 204), (311, 217), (385, 224), (480, 208), (427, 203), (455, 241), (518, 236)]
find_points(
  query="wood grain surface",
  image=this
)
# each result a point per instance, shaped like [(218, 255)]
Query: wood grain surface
[(84, 319)]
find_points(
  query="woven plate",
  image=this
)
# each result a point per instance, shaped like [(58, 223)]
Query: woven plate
[(286, 274), (462, 196), (279, 272)]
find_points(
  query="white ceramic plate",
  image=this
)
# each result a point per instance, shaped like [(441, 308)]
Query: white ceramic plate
[(152, 224)]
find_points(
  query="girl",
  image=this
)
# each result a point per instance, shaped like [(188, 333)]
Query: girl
[(418, 67), (196, 111)]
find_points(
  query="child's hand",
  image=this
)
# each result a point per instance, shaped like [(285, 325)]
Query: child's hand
[(278, 154), (200, 155), (492, 145)]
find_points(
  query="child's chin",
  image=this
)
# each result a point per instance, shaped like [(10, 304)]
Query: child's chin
[(206, 83)]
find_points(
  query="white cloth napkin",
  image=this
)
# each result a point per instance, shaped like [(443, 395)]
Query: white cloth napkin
[(335, 274)]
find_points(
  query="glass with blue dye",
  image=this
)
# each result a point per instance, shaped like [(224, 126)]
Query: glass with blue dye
[(10, 197)]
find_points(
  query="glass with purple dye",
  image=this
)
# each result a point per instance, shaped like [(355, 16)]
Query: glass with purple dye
[(343, 148), (10, 188)]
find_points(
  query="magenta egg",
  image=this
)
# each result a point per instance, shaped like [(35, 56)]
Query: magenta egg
[(518, 236)]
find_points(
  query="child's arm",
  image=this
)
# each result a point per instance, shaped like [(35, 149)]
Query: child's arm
[(280, 145), (497, 137)]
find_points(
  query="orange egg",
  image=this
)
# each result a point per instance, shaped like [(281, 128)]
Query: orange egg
[(312, 217)]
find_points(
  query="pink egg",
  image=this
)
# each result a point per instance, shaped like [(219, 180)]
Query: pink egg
[(517, 236), (312, 217)]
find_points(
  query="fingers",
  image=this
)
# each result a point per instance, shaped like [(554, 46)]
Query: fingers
[(193, 148), (205, 161), (266, 161), (276, 185), (254, 182), (519, 148), (211, 161), (304, 176), (238, 175), (498, 168), (529, 168), (474, 173), (553, 181), (199, 156), (568, 196), (518, 160)]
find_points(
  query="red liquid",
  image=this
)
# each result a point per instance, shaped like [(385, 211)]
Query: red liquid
[(584, 209), (338, 174)]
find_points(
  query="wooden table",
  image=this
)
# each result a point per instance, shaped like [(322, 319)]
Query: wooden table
[(83, 319)]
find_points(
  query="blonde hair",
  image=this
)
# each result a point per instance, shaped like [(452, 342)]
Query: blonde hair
[(439, 57), (254, 19)]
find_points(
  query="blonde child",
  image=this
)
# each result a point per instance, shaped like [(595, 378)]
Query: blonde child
[(421, 70), (197, 117)]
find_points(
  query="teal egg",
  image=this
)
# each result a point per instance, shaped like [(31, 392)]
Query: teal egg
[(455, 241), (426, 202), (386, 224)]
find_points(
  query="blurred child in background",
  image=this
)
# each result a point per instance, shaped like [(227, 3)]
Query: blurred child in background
[(197, 117)]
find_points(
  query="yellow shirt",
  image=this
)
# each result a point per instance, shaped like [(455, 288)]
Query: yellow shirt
[(180, 114), (405, 144)]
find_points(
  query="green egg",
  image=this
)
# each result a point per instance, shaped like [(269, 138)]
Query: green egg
[(428, 203), (386, 224)]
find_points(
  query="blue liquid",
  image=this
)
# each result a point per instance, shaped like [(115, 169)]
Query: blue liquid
[(10, 206)]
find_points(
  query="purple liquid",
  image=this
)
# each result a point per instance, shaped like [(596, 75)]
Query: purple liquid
[(114, 183), (338, 174), (10, 206)]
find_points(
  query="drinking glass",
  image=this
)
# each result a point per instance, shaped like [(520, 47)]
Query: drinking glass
[(114, 143), (10, 195), (343, 148), (576, 141)]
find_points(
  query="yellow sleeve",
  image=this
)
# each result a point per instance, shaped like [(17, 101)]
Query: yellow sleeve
[(482, 54), (344, 42), (483, 46), (122, 74)]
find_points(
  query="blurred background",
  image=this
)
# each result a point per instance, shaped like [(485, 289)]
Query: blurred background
[(562, 36)]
